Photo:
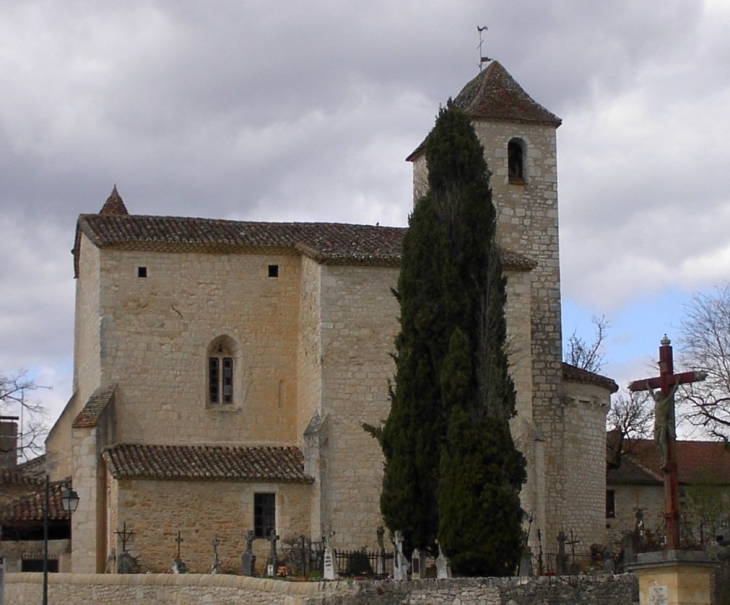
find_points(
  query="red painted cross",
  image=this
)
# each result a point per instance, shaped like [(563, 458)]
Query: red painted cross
[(665, 431)]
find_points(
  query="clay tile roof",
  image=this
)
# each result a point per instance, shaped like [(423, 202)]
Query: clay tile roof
[(114, 204), (212, 463), (697, 461), (495, 95), (30, 507), (328, 243), (572, 373), (15, 476), (95, 406)]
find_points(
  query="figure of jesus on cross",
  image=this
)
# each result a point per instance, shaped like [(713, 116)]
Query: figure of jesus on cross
[(665, 431)]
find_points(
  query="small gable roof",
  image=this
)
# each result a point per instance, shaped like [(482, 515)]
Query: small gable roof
[(282, 464)]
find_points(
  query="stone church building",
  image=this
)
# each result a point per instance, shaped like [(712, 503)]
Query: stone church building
[(223, 369)]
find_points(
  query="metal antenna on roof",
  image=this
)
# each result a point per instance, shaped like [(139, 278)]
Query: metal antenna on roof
[(482, 58)]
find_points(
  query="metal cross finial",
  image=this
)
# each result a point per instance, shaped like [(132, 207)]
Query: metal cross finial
[(482, 58)]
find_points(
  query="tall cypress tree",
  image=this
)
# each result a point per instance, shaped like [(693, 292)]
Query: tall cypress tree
[(447, 434)]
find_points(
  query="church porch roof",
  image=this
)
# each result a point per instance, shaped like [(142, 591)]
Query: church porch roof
[(284, 464)]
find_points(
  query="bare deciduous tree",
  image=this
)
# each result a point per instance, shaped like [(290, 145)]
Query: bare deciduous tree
[(705, 346), (15, 401), (584, 355), (630, 417)]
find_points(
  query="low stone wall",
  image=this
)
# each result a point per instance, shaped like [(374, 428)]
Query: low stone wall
[(191, 589)]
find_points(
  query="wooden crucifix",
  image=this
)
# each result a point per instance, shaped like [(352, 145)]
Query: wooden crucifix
[(665, 431)]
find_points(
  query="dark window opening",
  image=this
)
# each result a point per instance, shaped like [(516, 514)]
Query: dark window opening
[(264, 515), (273, 270), (141, 271), (515, 162), (610, 504), (36, 565), (220, 379)]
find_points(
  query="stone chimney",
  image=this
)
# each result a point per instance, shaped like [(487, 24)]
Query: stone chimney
[(8, 441)]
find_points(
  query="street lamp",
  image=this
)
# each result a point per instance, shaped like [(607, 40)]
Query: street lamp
[(69, 501)]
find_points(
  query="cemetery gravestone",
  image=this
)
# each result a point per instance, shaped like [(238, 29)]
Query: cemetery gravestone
[(400, 563), (329, 572), (272, 564), (248, 559), (380, 563)]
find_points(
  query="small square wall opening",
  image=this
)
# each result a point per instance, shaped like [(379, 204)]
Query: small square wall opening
[(141, 271), (273, 270)]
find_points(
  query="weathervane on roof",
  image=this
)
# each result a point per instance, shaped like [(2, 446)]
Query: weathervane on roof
[(482, 59)]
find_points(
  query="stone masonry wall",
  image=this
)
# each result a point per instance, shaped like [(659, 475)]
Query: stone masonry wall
[(157, 510), (630, 498), (156, 333), (73, 589), (585, 407), (87, 368), (359, 324), (528, 224)]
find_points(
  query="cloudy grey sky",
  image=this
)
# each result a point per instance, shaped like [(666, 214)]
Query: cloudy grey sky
[(295, 110)]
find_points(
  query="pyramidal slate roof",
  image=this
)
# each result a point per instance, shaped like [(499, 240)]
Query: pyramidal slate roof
[(200, 462), (327, 243), (114, 204), (495, 95)]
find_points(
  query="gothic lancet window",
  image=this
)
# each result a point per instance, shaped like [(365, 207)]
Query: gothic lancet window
[(516, 161), (221, 368)]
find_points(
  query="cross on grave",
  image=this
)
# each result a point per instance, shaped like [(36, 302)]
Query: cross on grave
[(248, 559), (572, 542), (272, 564), (561, 561), (124, 561), (665, 431), (179, 541), (216, 566), (124, 535)]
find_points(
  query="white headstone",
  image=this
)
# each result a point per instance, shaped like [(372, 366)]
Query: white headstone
[(329, 564), (400, 563), (443, 569)]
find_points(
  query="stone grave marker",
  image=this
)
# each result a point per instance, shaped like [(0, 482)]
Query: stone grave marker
[(416, 564), (443, 569), (248, 559), (272, 563), (380, 563), (329, 572), (216, 565), (400, 563)]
